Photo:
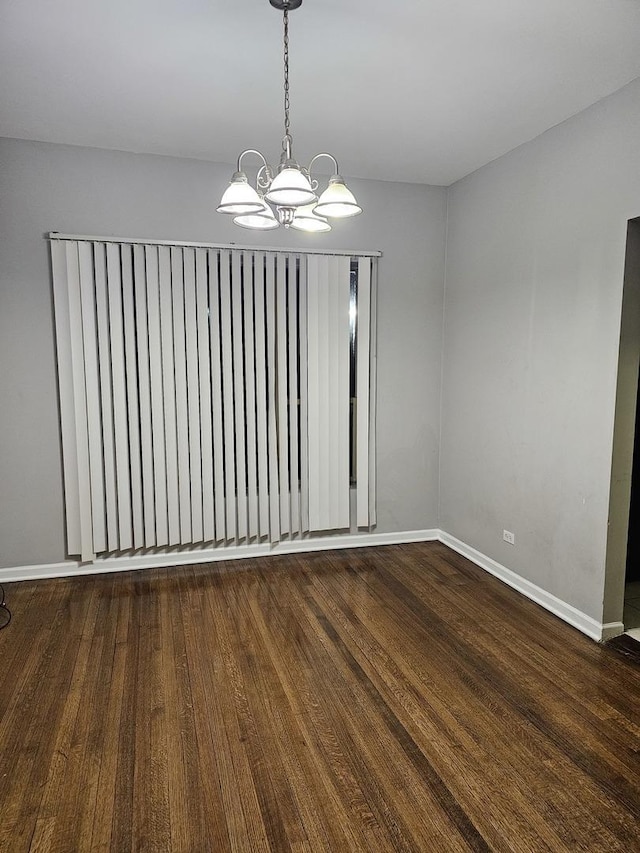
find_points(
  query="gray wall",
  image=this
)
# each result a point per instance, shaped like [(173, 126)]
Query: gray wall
[(534, 276), (47, 187)]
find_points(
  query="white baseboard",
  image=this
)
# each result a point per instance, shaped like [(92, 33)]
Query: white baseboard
[(611, 630), (132, 562), (589, 626)]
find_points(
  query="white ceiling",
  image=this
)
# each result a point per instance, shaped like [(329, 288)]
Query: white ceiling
[(409, 90)]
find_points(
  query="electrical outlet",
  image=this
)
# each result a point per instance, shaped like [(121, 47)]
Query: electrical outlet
[(509, 537)]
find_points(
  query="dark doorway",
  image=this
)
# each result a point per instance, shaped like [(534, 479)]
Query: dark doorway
[(633, 542), (622, 577)]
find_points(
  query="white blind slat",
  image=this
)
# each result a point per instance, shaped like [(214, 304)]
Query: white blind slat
[(304, 451), (121, 429), (326, 404), (181, 404), (342, 304), (157, 402), (193, 394), (106, 398), (133, 405), (313, 383), (215, 339), (92, 377), (283, 393), (204, 379), (272, 411), (293, 338), (169, 394), (250, 388), (144, 395), (332, 393), (261, 395), (238, 395), (229, 439), (65, 385), (80, 403)]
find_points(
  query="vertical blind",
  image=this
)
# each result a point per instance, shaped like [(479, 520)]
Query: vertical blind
[(205, 393)]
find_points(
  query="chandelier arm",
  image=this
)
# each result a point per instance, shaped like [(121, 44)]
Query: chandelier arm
[(324, 154), (264, 177), (252, 151)]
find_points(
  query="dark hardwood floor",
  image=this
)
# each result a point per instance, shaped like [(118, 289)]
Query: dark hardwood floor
[(384, 699)]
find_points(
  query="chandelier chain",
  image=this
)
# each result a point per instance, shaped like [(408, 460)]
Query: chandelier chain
[(287, 135)]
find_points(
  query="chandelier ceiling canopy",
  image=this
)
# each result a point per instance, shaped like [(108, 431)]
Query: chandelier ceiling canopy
[(288, 195)]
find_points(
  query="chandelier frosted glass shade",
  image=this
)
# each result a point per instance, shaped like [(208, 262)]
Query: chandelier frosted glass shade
[(305, 219), (240, 197), (290, 188), (337, 200), (261, 220)]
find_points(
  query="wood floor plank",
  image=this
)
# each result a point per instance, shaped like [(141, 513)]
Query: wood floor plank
[(151, 818), (42, 750), (382, 699), (242, 808), (199, 649), (77, 751), (113, 715)]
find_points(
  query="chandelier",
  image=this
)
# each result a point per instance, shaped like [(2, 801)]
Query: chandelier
[(286, 196)]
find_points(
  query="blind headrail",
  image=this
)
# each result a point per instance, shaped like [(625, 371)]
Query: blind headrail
[(354, 253)]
